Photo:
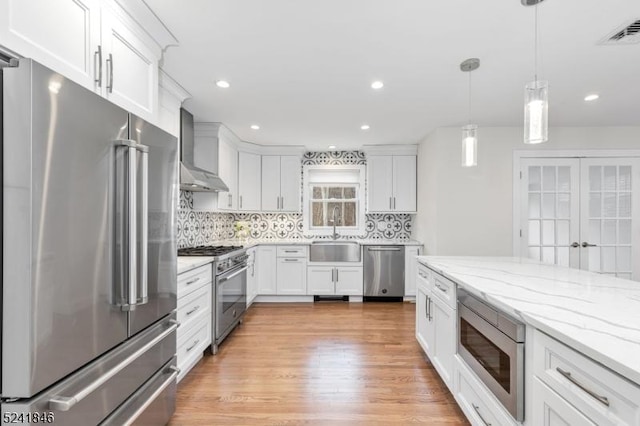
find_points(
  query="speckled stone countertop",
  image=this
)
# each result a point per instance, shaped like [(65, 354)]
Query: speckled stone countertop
[(598, 315)]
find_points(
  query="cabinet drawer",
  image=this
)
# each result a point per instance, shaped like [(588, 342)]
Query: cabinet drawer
[(601, 394), (292, 251), (192, 307), (192, 280), (550, 409), (194, 342), (444, 289), (424, 276), (478, 403)]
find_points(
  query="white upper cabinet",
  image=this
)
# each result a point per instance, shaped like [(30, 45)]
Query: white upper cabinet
[(281, 181), (228, 172), (63, 35), (391, 184), (130, 70), (249, 166), (95, 43)]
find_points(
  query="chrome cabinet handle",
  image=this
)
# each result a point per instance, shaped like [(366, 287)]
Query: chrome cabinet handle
[(65, 403), (110, 62), (337, 275), (97, 58), (441, 288), (475, 407), (390, 203), (193, 310), (282, 202), (240, 200), (193, 281), (291, 251), (291, 260), (194, 345), (575, 244), (430, 309), (394, 203), (586, 244), (426, 311), (602, 399)]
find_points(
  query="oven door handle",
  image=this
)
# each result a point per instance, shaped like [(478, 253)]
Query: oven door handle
[(238, 272)]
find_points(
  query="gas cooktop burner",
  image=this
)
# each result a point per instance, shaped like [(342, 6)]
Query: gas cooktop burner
[(207, 250)]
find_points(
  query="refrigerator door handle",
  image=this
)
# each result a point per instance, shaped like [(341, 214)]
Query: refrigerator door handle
[(143, 261), (65, 403), (131, 239)]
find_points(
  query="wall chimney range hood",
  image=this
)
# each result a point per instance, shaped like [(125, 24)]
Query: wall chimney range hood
[(194, 178)]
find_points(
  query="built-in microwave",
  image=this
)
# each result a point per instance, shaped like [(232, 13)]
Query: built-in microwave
[(492, 344)]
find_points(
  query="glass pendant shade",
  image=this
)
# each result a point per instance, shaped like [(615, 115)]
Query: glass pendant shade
[(470, 145), (536, 112)]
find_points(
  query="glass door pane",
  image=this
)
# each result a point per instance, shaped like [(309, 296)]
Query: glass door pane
[(610, 206), (550, 210)]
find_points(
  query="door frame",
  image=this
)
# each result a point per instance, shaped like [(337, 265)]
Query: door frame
[(519, 155)]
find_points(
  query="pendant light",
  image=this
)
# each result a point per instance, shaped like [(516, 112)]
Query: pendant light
[(536, 93), (470, 131)]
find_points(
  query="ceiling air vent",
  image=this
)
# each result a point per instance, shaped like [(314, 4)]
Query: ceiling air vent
[(628, 34)]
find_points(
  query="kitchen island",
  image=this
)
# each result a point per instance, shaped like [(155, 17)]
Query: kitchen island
[(574, 319)]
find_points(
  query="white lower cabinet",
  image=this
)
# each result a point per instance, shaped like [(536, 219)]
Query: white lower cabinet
[(334, 281), (410, 265), (435, 323), (291, 276), (194, 315), (266, 269), (252, 276), (550, 409)]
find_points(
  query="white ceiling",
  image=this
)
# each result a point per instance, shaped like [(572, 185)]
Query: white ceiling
[(302, 69)]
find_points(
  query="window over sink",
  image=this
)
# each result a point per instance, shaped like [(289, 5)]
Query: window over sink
[(333, 191)]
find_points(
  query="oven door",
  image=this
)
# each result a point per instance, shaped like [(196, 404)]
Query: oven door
[(496, 359), (231, 299)]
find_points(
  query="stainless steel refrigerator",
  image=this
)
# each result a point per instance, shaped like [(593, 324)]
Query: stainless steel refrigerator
[(89, 198)]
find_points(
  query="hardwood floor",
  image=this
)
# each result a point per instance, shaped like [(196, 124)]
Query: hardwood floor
[(328, 363)]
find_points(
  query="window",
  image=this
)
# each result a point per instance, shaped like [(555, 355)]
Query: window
[(330, 190)]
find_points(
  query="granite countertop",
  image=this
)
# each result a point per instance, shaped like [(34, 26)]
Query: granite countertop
[(598, 315), (187, 263)]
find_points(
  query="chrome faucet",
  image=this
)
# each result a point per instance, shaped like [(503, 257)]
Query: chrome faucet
[(335, 234)]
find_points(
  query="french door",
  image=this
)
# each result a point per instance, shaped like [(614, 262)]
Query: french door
[(583, 213)]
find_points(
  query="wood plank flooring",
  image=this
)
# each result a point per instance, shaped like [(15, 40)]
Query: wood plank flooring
[(328, 363)]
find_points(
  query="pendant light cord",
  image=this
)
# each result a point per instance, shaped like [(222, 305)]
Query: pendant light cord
[(469, 111), (535, 46)]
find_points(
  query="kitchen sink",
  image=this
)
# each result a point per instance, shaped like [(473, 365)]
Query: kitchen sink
[(334, 251)]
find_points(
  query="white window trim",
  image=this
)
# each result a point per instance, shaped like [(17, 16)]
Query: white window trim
[(360, 229)]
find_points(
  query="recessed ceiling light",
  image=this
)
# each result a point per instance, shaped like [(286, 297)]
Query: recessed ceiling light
[(255, 127), (223, 84), (365, 127), (332, 147), (377, 85), (591, 97)]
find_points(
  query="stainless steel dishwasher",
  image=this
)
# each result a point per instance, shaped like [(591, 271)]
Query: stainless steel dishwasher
[(383, 273)]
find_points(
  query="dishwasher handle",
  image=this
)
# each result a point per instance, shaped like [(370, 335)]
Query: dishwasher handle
[(384, 248)]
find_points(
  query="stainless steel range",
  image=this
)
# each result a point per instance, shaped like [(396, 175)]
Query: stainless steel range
[(230, 287)]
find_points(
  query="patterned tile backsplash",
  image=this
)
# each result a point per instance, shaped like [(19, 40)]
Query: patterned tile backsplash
[(202, 227)]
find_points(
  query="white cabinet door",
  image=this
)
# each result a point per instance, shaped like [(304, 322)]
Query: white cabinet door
[(266, 269), (349, 281), (422, 318), (130, 69), (404, 183), (379, 183), (444, 338), (248, 181), (410, 269), (292, 276), (549, 409), (290, 183), (320, 280), (63, 35), (228, 172), (270, 182)]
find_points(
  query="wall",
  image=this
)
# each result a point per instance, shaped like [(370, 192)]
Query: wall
[(200, 227), (468, 211)]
